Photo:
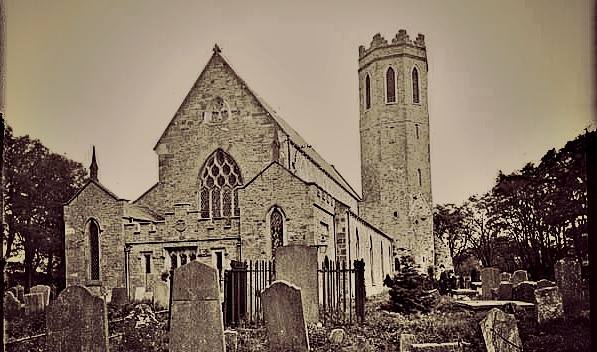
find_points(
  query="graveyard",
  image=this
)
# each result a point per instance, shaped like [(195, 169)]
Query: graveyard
[(529, 316)]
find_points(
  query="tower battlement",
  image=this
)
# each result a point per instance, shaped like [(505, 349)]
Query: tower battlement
[(401, 39)]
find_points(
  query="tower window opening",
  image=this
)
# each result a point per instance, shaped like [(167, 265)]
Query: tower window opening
[(415, 81), (417, 130), (367, 92), (390, 86)]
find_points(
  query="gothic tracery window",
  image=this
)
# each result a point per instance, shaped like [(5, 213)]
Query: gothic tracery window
[(94, 250), (277, 230), (390, 86), (220, 179), (415, 81)]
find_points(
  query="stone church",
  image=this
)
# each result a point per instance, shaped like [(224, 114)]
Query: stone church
[(236, 181)]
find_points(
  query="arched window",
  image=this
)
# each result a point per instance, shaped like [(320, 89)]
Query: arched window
[(94, 250), (390, 86), (367, 92), (277, 230), (415, 79), (420, 177), (417, 130), (220, 179)]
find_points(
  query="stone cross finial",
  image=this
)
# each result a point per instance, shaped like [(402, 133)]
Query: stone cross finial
[(93, 167), (217, 49)]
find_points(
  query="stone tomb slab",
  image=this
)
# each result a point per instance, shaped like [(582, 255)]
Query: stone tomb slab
[(489, 304), (196, 318), (119, 296), (500, 332), (77, 321), (284, 318)]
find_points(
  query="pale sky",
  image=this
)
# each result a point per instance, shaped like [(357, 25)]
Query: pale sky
[(508, 79)]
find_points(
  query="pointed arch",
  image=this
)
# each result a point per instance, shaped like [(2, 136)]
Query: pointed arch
[(367, 92), (93, 232), (276, 225), (219, 180), (415, 85), (390, 85)]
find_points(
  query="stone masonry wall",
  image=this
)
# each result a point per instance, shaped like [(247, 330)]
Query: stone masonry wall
[(276, 186), (94, 202)]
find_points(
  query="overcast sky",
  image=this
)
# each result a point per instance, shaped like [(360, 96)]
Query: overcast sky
[(508, 79)]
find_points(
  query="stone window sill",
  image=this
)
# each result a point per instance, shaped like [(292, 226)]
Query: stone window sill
[(93, 283)]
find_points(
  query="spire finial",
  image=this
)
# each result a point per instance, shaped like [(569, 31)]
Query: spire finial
[(217, 49), (93, 167)]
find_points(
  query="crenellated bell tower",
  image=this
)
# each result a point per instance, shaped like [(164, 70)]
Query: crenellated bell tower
[(394, 129)]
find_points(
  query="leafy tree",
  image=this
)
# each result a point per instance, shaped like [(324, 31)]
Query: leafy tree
[(36, 185), (407, 290), (449, 226)]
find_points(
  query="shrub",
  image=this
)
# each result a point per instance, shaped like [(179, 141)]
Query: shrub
[(407, 290)]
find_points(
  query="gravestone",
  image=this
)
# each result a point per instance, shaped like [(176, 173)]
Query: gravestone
[(284, 318), (490, 278), (505, 276), (549, 305), (519, 276), (161, 295), (524, 291), (500, 332), (45, 290), (467, 282), (77, 321), (34, 303), (569, 280), (196, 312), (231, 338), (119, 296), (20, 293), (148, 297), (505, 291), (139, 294), (545, 283), (304, 275), (12, 306), (406, 342)]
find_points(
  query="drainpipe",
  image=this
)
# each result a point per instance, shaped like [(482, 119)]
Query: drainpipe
[(127, 252)]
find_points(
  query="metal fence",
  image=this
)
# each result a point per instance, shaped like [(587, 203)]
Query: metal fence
[(342, 291), (243, 284)]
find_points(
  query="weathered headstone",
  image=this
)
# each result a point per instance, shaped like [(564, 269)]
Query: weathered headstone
[(505, 291), (231, 338), (77, 321), (524, 291), (519, 276), (303, 275), (438, 347), (505, 276), (549, 304), (119, 296), (20, 293), (45, 290), (500, 332), (545, 283), (34, 303), (569, 280), (467, 282), (139, 294), (148, 297), (490, 277), (161, 295), (284, 318), (12, 306), (196, 312), (406, 342), (337, 336)]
